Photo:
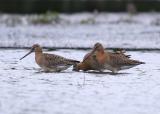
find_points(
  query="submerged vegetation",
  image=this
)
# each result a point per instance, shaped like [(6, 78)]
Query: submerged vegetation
[(15, 19), (46, 18), (52, 18), (88, 21)]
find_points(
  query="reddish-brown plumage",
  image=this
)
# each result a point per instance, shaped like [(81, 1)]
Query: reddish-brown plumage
[(88, 63), (99, 59), (50, 62), (112, 61)]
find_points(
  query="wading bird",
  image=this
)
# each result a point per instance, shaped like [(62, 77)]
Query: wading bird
[(50, 62), (103, 60), (88, 63)]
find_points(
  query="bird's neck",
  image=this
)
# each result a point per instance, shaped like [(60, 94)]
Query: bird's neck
[(82, 66), (38, 57), (38, 53), (101, 52), (102, 56)]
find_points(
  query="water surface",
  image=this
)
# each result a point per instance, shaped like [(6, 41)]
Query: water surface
[(25, 90)]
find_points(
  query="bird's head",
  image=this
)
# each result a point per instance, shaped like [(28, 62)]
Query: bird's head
[(34, 48)]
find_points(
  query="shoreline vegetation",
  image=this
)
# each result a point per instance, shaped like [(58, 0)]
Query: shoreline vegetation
[(70, 6)]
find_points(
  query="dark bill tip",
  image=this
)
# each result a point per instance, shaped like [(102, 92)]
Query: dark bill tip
[(26, 55)]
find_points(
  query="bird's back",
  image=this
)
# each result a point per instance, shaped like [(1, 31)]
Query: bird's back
[(119, 60), (56, 60)]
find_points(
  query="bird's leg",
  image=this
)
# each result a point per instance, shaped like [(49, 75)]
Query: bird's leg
[(100, 70), (58, 70), (114, 71), (75, 68)]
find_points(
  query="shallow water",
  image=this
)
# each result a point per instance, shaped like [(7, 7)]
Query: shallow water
[(25, 90), (83, 30)]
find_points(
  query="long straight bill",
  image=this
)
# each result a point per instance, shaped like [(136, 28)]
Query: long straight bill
[(26, 55)]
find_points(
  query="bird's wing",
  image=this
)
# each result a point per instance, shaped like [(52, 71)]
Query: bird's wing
[(86, 56), (55, 60), (119, 60), (122, 53)]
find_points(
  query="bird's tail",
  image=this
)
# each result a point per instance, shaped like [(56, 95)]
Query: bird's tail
[(137, 62), (142, 62), (73, 62)]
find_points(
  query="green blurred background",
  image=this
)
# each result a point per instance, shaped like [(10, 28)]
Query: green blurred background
[(69, 6)]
